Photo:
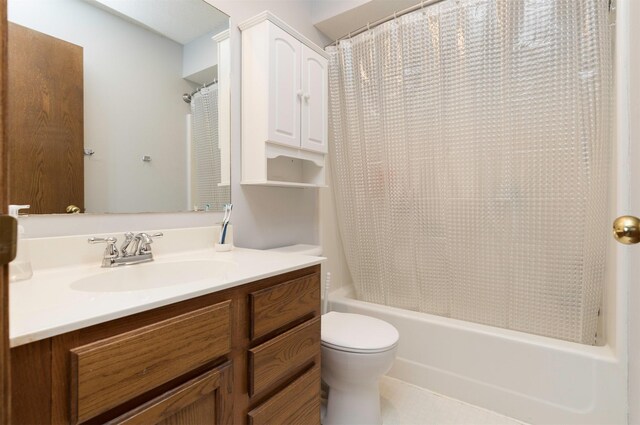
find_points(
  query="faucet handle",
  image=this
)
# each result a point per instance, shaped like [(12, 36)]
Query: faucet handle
[(146, 241), (111, 251), (110, 240)]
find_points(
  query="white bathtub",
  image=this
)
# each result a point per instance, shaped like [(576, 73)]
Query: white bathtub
[(531, 378)]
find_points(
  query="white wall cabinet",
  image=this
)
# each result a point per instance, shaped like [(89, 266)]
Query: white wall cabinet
[(284, 105)]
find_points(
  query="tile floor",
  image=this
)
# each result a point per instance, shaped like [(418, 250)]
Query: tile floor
[(407, 404)]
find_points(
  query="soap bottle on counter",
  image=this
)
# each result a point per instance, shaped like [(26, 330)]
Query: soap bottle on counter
[(20, 267)]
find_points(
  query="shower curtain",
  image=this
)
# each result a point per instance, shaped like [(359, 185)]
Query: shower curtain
[(470, 143), (205, 152)]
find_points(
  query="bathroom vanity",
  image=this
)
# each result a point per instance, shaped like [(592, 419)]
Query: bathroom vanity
[(235, 350)]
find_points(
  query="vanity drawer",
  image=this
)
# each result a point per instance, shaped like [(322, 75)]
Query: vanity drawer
[(297, 404), (279, 357), (111, 371), (279, 305)]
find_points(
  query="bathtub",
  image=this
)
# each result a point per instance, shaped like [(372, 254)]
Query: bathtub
[(531, 378)]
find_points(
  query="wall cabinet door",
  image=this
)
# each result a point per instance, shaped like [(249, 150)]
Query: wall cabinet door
[(207, 399), (315, 103), (285, 90)]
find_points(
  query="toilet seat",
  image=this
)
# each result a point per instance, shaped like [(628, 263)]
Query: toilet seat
[(356, 333), (356, 350)]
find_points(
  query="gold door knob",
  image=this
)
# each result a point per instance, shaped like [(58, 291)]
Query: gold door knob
[(626, 229), (72, 209)]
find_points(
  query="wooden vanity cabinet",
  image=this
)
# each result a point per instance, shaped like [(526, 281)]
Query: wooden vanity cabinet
[(249, 354)]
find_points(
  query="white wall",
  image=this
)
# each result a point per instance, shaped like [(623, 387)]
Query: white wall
[(267, 217), (322, 10), (262, 217), (296, 13), (330, 238), (133, 105), (200, 55)]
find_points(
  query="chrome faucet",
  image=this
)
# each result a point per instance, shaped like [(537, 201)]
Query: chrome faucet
[(134, 250)]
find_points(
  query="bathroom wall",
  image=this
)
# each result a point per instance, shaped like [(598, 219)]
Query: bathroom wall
[(199, 57), (322, 10), (297, 13), (330, 239), (122, 120), (267, 217), (263, 217)]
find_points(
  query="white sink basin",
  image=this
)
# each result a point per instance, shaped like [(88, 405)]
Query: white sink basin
[(140, 277)]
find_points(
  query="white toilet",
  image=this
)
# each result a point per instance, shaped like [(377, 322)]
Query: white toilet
[(356, 351)]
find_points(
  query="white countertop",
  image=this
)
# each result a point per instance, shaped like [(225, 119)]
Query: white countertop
[(48, 305)]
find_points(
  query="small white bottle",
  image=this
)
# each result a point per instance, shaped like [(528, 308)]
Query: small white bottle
[(20, 267)]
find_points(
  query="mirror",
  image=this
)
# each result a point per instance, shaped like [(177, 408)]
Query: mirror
[(118, 106)]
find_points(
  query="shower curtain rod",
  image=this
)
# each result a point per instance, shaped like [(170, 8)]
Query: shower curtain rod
[(204, 86), (394, 15)]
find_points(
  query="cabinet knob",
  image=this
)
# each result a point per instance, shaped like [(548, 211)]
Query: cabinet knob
[(299, 93), (307, 96), (626, 229)]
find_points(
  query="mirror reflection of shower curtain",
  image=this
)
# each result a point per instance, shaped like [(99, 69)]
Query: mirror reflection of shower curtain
[(206, 191), (470, 146)]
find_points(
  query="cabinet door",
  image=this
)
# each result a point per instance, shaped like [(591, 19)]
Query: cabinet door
[(315, 103), (285, 91), (207, 399)]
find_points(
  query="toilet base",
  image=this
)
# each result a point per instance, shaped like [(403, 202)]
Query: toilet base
[(357, 406)]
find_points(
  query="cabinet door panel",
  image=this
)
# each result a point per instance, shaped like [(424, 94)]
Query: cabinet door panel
[(285, 88), (315, 102), (206, 399)]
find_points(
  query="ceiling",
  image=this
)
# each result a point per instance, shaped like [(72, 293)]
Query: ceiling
[(337, 18), (179, 20)]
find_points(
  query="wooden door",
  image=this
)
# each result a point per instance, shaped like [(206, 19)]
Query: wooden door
[(285, 91), (207, 399), (630, 12), (45, 120), (5, 399), (315, 88)]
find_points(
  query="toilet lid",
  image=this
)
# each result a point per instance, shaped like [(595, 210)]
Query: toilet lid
[(357, 333)]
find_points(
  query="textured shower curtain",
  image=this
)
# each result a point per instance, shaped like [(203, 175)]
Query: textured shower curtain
[(205, 152), (470, 143)]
